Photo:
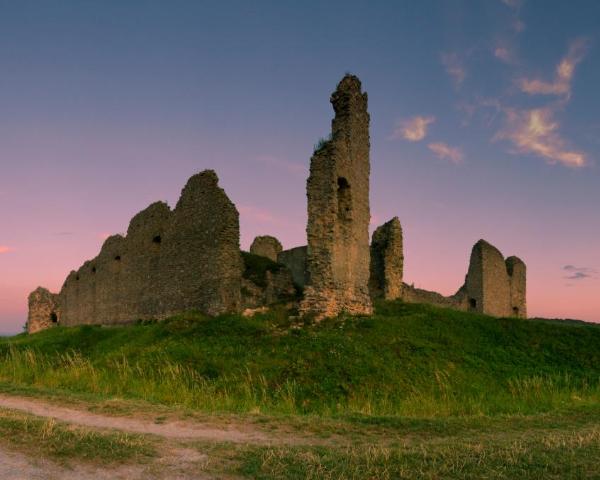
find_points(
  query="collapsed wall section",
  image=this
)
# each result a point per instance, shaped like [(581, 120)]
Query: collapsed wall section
[(338, 211)]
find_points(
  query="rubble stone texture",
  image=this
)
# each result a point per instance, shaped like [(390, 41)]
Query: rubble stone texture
[(338, 211), (295, 260), (169, 262), (43, 310), (266, 246), (517, 272), (387, 261)]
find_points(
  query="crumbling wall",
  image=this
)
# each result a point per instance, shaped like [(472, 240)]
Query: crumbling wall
[(295, 260), (517, 272), (338, 211), (487, 284), (411, 294), (387, 261), (202, 264), (169, 262), (43, 310), (266, 246), (492, 286)]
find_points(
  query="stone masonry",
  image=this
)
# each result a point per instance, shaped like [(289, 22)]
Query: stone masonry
[(517, 273), (266, 246), (295, 260), (189, 258), (387, 261), (487, 283), (493, 286), (338, 211), (43, 310), (169, 262)]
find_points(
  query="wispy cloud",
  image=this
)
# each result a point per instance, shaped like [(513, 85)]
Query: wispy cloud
[(454, 67), (504, 54), (257, 214), (6, 249), (518, 25), (536, 132), (579, 273), (563, 76), (414, 129), (446, 152), (285, 165)]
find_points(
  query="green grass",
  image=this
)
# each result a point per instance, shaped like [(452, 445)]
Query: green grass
[(557, 455), (406, 361), (47, 438)]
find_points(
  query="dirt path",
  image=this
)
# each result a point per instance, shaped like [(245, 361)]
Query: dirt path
[(172, 430), (176, 464)]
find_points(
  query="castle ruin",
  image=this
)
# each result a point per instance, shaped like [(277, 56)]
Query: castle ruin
[(338, 211), (189, 258)]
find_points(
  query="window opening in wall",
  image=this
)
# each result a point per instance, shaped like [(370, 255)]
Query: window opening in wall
[(516, 310), (118, 258), (156, 239), (472, 303), (93, 269), (344, 199), (54, 317)]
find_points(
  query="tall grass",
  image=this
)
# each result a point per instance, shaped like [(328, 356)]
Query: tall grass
[(161, 380)]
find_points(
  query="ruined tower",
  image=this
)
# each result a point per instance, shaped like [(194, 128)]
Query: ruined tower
[(338, 210), (387, 261), (495, 286)]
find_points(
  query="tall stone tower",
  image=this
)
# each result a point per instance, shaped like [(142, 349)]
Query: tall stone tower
[(338, 211)]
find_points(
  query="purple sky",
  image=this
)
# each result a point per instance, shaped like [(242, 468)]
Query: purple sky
[(485, 124)]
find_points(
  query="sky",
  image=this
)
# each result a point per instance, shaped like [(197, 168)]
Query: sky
[(485, 123)]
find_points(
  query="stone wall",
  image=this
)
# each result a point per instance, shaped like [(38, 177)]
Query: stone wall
[(387, 261), (43, 310), (338, 211), (295, 260), (517, 272), (169, 262), (266, 246), (487, 284)]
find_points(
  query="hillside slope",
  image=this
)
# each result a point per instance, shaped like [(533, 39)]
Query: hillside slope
[(408, 360)]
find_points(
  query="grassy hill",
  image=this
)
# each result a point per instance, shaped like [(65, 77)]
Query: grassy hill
[(406, 360)]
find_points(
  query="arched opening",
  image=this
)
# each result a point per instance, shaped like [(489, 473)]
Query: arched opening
[(54, 317), (118, 258), (472, 303), (93, 269), (516, 311), (344, 199), (156, 239)]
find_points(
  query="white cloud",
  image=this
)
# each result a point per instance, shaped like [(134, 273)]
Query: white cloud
[(414, 129), (446, 152), (565, 70), (536, 132)]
